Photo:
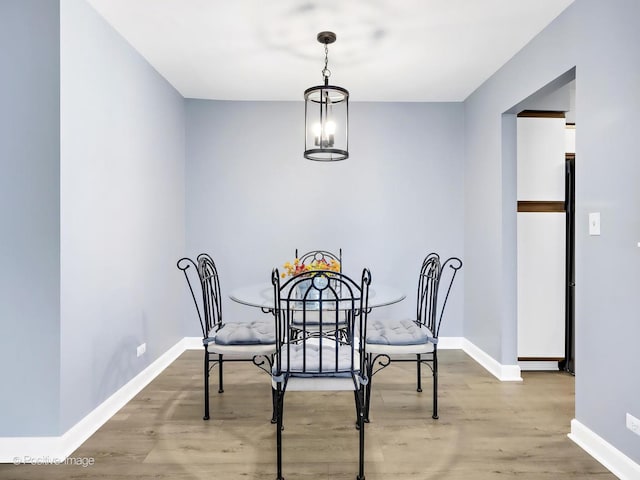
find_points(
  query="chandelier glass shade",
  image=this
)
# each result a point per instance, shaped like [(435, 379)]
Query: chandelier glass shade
[(326, 110)]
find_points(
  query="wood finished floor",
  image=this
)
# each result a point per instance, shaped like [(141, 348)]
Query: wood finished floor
[(487, 430)]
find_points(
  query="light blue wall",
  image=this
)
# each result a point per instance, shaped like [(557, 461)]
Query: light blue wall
[(252, 198), (29, 217), (601, 40), (122, 211)]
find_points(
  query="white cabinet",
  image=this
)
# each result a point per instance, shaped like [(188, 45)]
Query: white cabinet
[(541, 238), (541, 158), (541, 285)]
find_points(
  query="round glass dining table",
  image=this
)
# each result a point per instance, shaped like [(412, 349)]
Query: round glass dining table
[(261, 295)]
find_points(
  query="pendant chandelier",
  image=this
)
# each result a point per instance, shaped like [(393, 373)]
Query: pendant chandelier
[(326, 109)]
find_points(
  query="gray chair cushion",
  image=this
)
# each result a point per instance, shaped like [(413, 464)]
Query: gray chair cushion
[(397, 332), (307, 360), (257, 332)]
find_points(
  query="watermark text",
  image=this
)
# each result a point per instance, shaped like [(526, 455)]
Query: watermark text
[(76, 461)]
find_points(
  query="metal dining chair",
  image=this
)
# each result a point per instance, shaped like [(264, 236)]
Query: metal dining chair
[(251, 340), (313, 358), (320, 257), (389, 338)]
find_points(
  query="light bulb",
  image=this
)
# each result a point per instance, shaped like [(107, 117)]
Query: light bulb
[(330, 128)]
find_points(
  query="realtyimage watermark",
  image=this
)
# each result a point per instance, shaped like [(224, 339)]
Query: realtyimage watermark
[(77, 461)]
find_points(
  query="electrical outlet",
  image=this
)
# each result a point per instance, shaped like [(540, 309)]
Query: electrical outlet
[(633, 424), (141, 349)]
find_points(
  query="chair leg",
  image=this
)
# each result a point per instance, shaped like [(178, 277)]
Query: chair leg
[(279, 394), (367, 391), (435, 385), (274, 401), (419, 372), (206, 384), (220, 375), (360, 395)]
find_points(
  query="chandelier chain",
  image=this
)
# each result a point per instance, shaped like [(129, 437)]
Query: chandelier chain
[(325, 71)]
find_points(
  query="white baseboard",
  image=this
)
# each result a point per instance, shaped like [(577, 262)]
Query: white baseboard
[(610, 457), (450, 343), (505, 373), (192, 343), (55, 449)]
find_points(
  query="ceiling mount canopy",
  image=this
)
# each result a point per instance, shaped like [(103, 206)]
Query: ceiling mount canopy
[(326, 109)]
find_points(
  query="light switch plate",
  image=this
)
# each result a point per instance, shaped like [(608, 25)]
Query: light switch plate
[(594, 223)]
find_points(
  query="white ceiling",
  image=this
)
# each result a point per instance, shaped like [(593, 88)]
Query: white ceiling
[(387, 50)]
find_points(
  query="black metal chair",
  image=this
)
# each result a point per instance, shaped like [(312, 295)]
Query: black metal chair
[(319, 257), (397, 337), (314, 357), (252, 340)]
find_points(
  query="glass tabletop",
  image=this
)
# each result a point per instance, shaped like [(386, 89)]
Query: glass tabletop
[(261, 295)]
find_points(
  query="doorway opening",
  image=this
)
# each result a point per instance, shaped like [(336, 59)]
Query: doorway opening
[(545, 225)]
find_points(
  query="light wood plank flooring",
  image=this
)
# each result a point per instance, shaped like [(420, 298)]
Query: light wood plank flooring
[(487, 430)]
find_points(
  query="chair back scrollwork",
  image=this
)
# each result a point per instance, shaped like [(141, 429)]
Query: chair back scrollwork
[(211, 294), (320, 255), (434, 285)]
